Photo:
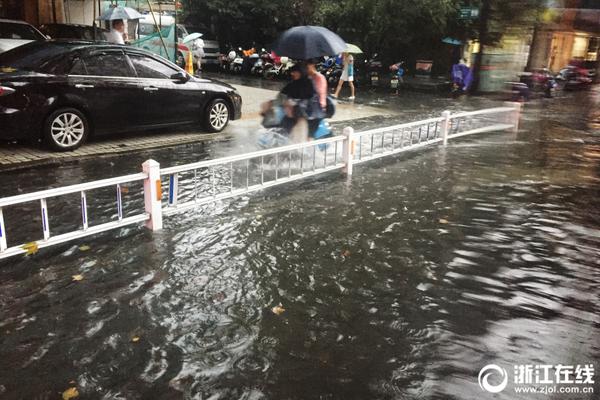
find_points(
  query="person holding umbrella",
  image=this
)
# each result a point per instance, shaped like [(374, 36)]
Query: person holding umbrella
[(117, 17), (117, 34)]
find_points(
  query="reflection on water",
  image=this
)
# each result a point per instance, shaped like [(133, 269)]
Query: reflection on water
[(400, 284)]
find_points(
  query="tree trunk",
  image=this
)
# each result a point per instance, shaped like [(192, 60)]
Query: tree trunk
[(484, 16)]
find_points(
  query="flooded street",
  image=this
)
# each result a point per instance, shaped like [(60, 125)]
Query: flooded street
[(401, 283)]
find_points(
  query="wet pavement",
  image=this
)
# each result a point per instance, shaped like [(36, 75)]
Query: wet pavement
[(401, 283)]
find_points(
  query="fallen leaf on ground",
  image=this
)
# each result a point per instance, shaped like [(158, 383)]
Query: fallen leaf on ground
[(70, 393), (84, 247), (77, 278), (346, 253), (135, 339), (124, 189), (278, 310), (30, 248), (443, 221)]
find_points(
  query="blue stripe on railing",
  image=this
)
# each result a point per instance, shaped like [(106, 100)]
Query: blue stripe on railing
[(171, 191), (44, 220)]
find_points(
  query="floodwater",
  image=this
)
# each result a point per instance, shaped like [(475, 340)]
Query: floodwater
[(401, 283)]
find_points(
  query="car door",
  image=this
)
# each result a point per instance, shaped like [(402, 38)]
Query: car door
[(169, 100), (105, 82)]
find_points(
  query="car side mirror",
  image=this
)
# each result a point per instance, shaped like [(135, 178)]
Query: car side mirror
[(181, 77)]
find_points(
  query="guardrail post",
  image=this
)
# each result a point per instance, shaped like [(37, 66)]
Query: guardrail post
[(153, 194), (445, 126), (3, 244), (348, 149)]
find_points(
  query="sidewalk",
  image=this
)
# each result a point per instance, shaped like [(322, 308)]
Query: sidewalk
[(17, 156)]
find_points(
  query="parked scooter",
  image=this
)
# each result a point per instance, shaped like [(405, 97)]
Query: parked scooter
[(280, 67), (538, 81), (373, 67), (258, 67), (236, 63), (574, 77), (397, 78)]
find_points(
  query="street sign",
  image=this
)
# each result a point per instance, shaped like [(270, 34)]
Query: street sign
[(469, 13)]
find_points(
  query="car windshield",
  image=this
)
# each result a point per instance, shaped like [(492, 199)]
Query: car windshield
[(10, 30), (35, 56)]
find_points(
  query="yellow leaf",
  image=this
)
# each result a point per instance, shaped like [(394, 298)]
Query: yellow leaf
[(30, 248), (77, 278), (84, 247), (278, 310), (443, 221), (135, 339), (70, 393)]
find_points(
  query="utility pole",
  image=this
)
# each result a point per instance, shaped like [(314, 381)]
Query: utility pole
[(484, 17)]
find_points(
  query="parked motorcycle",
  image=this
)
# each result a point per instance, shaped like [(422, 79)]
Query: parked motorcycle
[(373, 67), (535, 83), (398, 71), (236, 63), (263, 58), (280, 67), (573, 77)]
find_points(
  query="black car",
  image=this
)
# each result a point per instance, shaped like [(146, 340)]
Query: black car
[(63, 92), (73, 32)]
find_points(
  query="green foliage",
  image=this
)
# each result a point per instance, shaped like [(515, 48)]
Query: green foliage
[(397, 29)]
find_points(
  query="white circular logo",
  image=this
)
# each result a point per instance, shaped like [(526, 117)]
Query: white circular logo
[(484, 375)]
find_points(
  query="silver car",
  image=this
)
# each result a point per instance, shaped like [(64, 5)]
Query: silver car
[(17, 33)]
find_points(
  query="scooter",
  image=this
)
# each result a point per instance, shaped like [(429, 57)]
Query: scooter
[(573, 77), (236, 61), (258, 67), (373, 67), (279, 68), (538, 81), (398, 73)]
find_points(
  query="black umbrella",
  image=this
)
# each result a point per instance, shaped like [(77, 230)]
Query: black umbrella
[(305, 42)]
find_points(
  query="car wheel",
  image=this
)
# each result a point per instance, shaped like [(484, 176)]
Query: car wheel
[(217, 115), (66, 129)]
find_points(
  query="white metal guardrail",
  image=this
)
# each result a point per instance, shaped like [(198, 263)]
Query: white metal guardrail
[(208, 181)]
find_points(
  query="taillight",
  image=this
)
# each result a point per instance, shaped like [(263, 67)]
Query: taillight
[(5, 91)]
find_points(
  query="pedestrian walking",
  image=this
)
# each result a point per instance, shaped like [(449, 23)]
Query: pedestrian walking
[(347, 75), (117, 34)]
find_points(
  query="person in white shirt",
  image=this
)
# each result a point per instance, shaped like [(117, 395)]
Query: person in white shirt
[(199, 44), (117, 34)]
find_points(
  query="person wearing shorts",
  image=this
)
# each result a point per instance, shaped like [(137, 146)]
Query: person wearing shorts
[(347, 76)]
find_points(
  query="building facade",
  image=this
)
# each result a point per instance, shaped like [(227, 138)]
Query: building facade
[(569, 32)]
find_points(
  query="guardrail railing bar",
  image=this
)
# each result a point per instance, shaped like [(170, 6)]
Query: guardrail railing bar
[(65, 237), (247, 172), (84, 213), (119, 203), (490, 128), (45, 226), (449, 128), (250, 189), (48, 193), (3, 243), (399, 150)]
